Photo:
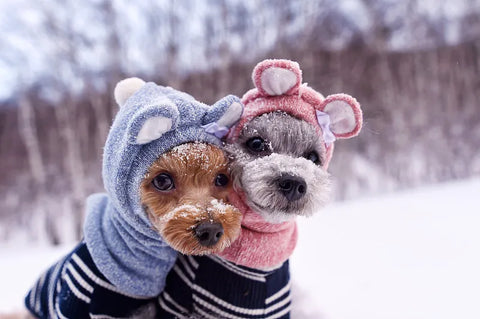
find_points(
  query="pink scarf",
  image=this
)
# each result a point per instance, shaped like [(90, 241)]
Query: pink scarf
[(261, 245)]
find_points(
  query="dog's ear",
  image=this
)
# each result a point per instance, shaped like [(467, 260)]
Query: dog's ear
[(126, 88), (223, 115), (277, 77), (345, 115), (151, 122)]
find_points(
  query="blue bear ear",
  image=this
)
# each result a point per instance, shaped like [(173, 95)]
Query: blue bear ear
[(225, 112), (152, 122)]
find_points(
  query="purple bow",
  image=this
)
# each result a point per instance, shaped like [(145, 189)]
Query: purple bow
[(215, 129), (324, 122)]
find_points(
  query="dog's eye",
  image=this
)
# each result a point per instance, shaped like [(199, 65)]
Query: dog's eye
[(256, 144), (163, 182), (313, 156), (221, 180)]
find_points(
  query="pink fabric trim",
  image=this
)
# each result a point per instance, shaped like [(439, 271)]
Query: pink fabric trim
[(260, 244)]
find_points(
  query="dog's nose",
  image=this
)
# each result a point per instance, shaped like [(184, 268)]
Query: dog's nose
[(208, 234), (292, 187)]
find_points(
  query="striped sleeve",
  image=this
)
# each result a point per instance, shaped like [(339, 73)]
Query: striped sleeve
[(75, 288)]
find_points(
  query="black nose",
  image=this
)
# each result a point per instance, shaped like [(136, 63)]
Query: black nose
[(292, 187), (208, 234)]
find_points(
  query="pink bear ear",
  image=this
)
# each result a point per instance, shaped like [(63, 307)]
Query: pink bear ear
[(345, 115), (277, 77)]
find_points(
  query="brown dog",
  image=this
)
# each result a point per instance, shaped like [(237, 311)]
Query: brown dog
[(167, 183)]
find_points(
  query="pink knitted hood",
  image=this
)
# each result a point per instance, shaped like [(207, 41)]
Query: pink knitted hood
[(278, 87)]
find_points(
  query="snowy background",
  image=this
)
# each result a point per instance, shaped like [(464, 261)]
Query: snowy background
[(412, 254), (397, 242)]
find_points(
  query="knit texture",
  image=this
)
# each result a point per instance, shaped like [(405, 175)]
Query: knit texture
[(260, 245), (75, 288), (211, 287), (121, 239), (282, 90)]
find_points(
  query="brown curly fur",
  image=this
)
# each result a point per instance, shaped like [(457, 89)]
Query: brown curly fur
[(176, 213)]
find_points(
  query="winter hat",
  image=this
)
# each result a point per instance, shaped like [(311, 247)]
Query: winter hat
[(278, 87), (152, 120)]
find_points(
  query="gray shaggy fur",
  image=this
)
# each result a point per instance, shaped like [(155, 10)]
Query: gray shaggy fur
[(289, 141)]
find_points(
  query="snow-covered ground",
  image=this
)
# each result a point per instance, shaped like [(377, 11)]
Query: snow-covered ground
[(414, 254)]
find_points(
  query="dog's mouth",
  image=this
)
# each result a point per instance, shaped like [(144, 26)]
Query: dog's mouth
[(288, 209), (274, 216), (257, 206)]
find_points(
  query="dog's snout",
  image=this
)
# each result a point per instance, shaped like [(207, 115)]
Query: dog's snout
[(208, 233), (292, 187)]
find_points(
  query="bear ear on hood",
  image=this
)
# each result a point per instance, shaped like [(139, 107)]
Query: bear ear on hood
[(126, 88), (222, 116), (277, 77), (153, 121), (345, 115), (153, 128)]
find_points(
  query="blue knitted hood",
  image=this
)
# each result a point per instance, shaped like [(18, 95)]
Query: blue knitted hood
[(127, 158), (151, 121)]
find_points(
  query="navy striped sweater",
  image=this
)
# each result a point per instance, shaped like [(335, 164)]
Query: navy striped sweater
[(196, 287), (211, 287), (75, 288)]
